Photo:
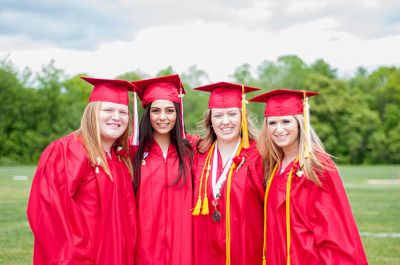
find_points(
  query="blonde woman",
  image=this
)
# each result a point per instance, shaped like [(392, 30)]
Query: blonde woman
[(308, 219), (229, 191), (82, 207)]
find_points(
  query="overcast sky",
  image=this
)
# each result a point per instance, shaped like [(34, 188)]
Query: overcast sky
[(106, 38)]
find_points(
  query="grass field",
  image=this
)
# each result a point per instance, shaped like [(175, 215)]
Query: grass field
[(376, 205)]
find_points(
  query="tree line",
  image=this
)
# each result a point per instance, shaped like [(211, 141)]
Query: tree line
[(357, 118)]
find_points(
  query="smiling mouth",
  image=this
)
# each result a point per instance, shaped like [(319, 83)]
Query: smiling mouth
[(281, 137), (113, 125), (226, 130), (163, 125)]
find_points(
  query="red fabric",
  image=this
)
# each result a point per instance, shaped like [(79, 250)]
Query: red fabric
[(225, 95), (283, 102), (164, 216), (76, 216), (247, 195), (109, 90), (323, 229)]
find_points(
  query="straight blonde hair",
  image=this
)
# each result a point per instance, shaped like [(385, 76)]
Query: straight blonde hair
[(272, 154), (89, 132)]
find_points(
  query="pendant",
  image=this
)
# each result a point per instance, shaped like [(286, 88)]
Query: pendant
[(216, 216), (299, 173)]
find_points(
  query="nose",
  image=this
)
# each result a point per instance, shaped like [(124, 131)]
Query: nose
[(116, 115), (225, 119), (163, 115), (279, 127)]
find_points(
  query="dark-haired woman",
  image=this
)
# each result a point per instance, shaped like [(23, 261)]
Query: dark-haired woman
[(162, 176)]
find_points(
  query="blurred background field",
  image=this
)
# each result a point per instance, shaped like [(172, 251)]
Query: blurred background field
[(374, 193)]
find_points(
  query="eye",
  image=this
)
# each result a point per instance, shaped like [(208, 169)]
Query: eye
[(286, 121), (271, 123), (123, 112), (170, 110), (217, 116), (155, 111), (107, 110), (232, 114)]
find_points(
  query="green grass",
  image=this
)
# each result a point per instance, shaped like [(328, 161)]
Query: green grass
[(16, 240), (376, 208)]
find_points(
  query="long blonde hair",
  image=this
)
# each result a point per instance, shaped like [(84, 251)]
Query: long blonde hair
[(89, 132), (208, 136), (272, 154)]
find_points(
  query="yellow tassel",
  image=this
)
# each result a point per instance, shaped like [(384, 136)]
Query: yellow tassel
[(245, 130), (265, 212), (205, 210), (228, 210), (196, 210), (306, 114)]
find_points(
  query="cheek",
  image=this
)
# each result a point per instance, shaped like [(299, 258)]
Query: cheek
[(172, 117), (270, 130), (213, 122), (238, 120), (153, 117)]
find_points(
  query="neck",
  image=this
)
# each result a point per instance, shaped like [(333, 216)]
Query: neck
[(226, 149), (107, 146), (163, 140), (290, 154)]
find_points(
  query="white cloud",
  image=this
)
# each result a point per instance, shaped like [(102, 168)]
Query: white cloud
[(114, 37)]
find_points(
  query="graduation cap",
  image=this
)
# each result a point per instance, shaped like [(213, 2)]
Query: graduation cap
[(162, 88), (283, 102), (165, 87), (226, 95), (109, 90)]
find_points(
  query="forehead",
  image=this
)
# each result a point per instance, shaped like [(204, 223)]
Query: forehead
[(279, 118), (106, 104), (224, 110), (162, 103)]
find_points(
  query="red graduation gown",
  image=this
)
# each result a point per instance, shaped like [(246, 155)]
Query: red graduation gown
[(323, 229), (164, 216), (78, 216), (247, 195)]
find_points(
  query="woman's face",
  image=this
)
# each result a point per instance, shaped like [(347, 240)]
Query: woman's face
[(162, 116), (113, 121), (284, 131), (226, 123)]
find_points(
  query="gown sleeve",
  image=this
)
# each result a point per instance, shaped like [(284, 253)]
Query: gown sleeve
[(335, 229), (60, 233)]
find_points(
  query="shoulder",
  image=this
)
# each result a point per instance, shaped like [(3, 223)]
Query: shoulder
[(67, 147), (252, 152), (192, 139)]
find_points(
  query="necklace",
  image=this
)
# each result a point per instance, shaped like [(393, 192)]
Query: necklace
[(108, 152)]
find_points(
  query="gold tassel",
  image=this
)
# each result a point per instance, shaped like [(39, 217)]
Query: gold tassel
[(245, 130), (196, 210), (306, 114), (228, 210), (205, 210)]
